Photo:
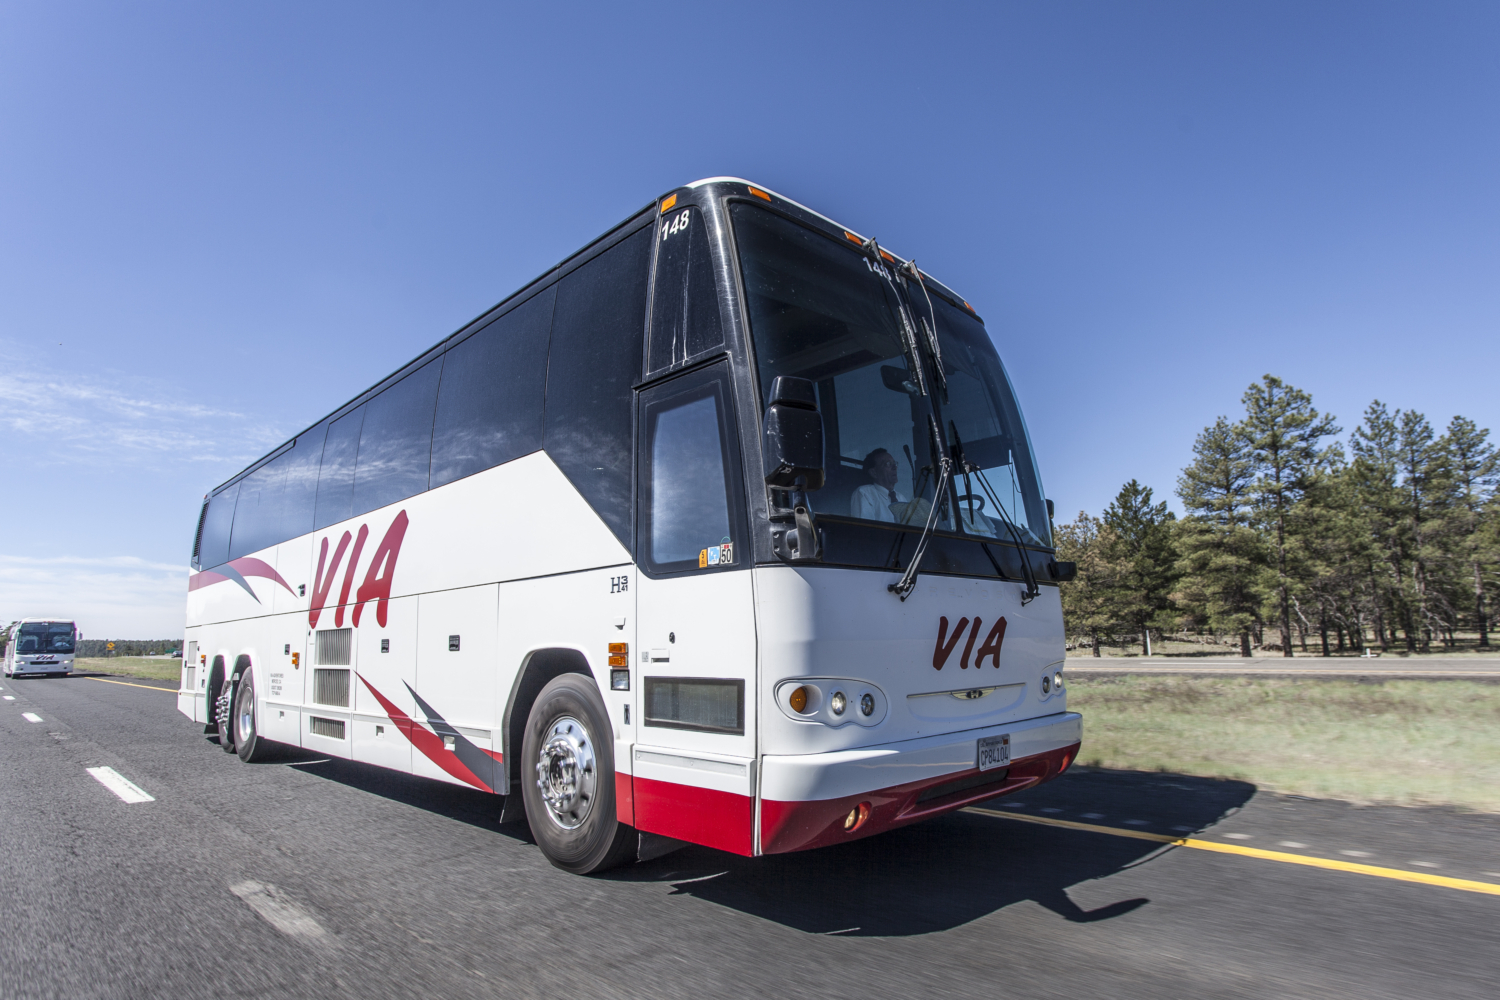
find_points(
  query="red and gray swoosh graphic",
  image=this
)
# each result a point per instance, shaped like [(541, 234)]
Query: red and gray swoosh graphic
[(237, 570), (467, 762)]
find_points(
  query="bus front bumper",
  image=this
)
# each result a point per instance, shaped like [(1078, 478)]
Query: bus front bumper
[(814, 800)]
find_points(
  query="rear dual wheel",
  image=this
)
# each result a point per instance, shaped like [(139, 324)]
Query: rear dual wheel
[(568, 779), (245, 738)]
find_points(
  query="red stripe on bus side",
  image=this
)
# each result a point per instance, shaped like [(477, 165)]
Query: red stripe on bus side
[(722, 820), (428, 742), (624, 799)]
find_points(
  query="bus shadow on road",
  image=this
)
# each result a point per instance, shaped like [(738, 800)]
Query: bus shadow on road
[(947, 872), (456, 802)]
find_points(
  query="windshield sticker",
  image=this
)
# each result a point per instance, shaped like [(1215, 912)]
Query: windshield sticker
[(716, 555)]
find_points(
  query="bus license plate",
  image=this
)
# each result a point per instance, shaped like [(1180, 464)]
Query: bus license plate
[(994, 751)]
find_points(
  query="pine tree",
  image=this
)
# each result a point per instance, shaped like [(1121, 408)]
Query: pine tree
[(1143, 552), (1283, 431), (1220, 555), (1473, 466), (1088, 602)]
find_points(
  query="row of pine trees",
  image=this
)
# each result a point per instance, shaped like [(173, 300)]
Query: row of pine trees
[(1295, 539)]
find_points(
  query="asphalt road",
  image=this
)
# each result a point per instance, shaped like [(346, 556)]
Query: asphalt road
[(303, 878)]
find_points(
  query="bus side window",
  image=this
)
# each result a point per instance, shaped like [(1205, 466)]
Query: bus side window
[(691, 504), (213, 549), (489, 408), (301, 492), (395, 443), (685, 307), (336, 472), (594, 358), (257, 512)]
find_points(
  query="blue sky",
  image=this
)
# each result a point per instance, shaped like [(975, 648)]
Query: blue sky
[(218, 221)]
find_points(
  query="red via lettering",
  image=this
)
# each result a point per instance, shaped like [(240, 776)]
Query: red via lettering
[(947, 643), (377, 583), (944, 647)]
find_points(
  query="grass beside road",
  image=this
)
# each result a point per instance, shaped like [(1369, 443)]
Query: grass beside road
[(1401, 742), (151, 667)]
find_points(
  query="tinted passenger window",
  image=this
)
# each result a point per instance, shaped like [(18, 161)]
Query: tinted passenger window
[(685, 307), (300, 495), (489, 407), (336, 472), (213, 548), (597, 334), (395, 444), (257, 512)]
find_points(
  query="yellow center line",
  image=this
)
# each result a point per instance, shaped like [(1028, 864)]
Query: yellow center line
[(1399, 874), (148, 687)]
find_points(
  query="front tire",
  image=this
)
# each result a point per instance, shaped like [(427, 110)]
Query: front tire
[(568, 778)]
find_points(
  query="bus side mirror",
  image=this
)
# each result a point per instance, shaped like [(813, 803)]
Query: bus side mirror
[(792, 439), (1062, 572)]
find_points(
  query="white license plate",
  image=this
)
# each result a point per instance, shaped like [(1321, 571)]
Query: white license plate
[(994, 751)]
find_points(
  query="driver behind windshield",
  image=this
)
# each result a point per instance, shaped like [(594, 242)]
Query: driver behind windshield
[(879, 500)]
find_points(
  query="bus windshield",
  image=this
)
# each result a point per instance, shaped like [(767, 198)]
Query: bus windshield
[(45, 637), (821, 311), (981, 412)]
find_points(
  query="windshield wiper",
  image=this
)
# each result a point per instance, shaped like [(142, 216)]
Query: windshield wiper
[(933, 347), (1033, 590), (902, 588), (908, 331)]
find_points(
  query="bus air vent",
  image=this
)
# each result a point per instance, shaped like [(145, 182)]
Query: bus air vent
[(331, 728), (331, 687), (334, 646)]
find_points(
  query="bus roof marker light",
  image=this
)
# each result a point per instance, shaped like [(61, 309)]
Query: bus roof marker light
[(758, 193), (668, 203)]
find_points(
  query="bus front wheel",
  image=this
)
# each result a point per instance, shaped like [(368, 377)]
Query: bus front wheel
[(568, 778)]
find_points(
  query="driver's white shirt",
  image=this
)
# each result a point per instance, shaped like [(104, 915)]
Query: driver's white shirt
[(873, 501)]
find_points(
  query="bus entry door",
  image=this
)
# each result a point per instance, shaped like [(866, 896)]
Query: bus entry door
[(693, 760)]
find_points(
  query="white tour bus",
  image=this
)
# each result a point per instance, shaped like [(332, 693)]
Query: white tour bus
[(41, 646), (638, 549)]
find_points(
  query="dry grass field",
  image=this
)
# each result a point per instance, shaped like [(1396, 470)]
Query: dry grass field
[(157, 668), (1399, 742)]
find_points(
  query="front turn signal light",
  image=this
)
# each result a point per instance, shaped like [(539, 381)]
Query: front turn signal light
[(619, 654), (798, 700)]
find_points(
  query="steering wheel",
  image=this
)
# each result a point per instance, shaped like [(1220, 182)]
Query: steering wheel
[(969, 497)]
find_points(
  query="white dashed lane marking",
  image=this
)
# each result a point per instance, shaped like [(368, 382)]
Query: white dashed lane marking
[(31, 717), (280, 912), (127, 790), (10, 697)]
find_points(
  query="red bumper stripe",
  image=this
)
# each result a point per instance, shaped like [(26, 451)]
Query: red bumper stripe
[(798, 826)]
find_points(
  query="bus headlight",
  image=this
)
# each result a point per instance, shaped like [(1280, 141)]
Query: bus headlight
[(1057, 681), (826, 700)]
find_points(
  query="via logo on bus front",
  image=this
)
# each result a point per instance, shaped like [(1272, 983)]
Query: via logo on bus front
[(376, 585), (947, 642)]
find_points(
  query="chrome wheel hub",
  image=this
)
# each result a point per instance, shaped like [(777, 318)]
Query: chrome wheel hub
[(566, 773), (247, 719)]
